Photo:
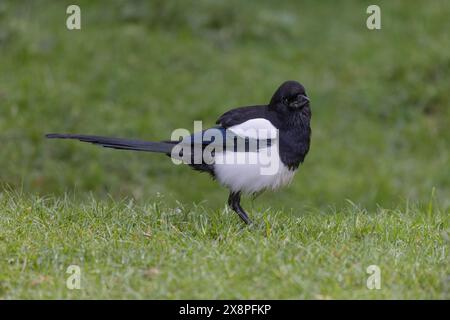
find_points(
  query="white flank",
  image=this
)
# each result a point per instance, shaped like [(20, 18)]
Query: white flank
[(251, 172)]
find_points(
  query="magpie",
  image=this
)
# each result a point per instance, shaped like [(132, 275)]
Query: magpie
[(245, 141)]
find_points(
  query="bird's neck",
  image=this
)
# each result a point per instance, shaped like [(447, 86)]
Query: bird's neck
[(295, 120), (295, 137)]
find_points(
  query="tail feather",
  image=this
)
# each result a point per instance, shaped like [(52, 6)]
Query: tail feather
[(118, 143)]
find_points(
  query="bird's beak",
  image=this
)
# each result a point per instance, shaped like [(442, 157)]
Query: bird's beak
[(300, 102)]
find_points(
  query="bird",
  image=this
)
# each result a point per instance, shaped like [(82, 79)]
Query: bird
[(251, 149)]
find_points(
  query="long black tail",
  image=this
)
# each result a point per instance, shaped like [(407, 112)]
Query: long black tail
[(118, 143)]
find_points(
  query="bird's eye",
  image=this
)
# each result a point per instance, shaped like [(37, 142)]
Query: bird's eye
[(285, 100)]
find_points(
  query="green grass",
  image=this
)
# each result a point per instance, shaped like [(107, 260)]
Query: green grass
[(140, 69), (129, 251)]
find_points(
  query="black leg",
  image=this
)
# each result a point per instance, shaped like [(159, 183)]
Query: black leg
[(234, 201)]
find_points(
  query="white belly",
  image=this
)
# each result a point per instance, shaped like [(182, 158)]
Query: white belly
[(252, 172)]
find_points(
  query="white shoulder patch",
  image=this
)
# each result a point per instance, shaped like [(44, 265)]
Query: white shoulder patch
[(258, 128)]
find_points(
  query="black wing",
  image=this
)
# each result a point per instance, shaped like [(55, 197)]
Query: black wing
[(223, 139), (242, 114)]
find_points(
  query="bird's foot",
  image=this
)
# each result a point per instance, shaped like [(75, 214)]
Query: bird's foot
[(234, 201)]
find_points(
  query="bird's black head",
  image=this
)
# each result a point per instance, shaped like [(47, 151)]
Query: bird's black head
[(290, 96)]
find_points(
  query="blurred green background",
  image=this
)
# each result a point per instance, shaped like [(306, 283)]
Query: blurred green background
[(140, 69)]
